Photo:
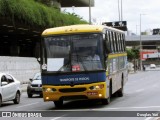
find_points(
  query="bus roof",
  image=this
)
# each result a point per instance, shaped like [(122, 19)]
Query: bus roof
[(77, 29)]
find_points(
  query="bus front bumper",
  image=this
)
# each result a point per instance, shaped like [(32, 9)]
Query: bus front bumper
[(86, 91)]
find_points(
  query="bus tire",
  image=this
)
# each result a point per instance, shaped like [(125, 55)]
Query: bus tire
[(0, 101), (105, 101), (120, 91), (58, 103), (41, 95), (108, 100)]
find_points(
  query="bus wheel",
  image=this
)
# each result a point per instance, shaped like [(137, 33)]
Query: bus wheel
[(105, 101), (108, 100), (58, 103), (120, 91), (0, 101)]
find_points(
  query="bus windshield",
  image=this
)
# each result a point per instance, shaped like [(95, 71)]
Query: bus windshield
[(74, 53)]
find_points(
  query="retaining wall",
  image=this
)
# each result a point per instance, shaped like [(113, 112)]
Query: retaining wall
[(22, 68)]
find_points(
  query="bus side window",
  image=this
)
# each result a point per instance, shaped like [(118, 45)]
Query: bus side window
[(107, 42), (111, 41), (119, 42), (114, 42), (110, 66), (123, 42)]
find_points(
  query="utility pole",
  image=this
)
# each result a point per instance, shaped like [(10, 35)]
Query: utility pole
[(119, 14), (90, 12), (121, 11), (140, 43)]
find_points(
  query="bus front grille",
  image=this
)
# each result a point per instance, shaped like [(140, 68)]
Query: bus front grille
[(36, 85), (65, 90), (74, 97)]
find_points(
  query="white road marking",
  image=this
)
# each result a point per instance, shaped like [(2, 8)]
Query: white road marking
[(140, 90), (102, 109), (148, 118), (152, 118), (27, 105), (131, 107), (58, 117), (156, 85)]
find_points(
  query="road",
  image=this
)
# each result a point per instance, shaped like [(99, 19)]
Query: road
[(141, 93)]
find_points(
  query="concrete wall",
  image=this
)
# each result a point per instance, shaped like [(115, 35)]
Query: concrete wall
[(22, 68)]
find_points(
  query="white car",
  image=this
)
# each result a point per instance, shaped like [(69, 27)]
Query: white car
[(9, 89), (152, 66)]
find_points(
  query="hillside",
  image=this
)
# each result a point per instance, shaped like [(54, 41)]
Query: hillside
[(34, 13)]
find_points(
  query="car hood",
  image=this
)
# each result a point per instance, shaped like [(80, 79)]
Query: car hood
[(36, 82)]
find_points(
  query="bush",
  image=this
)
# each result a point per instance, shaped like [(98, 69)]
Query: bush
[(36, 14)]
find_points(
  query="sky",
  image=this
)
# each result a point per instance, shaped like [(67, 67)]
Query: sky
[(107, 11)]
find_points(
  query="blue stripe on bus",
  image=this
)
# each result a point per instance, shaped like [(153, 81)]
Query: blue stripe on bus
[(75, 79)]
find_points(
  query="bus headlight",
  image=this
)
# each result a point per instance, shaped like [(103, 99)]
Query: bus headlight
[(49, 89), (97, 87)]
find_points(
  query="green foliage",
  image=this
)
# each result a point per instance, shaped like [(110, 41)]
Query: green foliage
[(36, 14), (49, 3), (132, 54), (136, 53)]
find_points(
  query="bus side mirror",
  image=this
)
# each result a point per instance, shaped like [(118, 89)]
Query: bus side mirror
[(37, 52), (39, 60)]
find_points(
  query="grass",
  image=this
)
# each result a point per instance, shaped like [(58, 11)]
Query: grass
[(36, 14)]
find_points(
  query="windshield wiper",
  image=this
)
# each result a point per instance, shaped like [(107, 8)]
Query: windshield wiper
[(64, 66)]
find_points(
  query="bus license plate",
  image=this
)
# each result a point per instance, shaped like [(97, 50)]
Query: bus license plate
[(92, 93), (38, 89)]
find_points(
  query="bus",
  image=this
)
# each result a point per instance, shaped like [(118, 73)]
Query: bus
[(80, 62)]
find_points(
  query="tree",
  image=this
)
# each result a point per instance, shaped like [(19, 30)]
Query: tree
[(132, 54), (136, 53)]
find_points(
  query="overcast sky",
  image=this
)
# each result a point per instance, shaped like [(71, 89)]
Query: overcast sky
[(107, 10)]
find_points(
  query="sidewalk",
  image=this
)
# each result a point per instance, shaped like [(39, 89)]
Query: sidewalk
[(132, 72)]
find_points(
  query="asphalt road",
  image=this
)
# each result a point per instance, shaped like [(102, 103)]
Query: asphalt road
[(141, 95)]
